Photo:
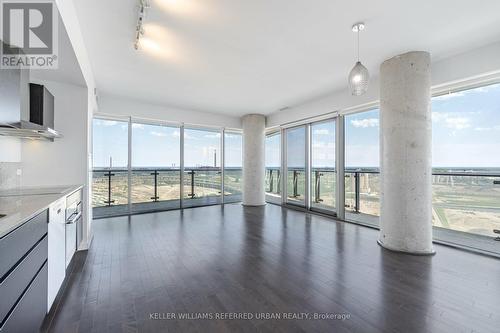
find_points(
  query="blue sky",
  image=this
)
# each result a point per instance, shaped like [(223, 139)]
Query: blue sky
[(323, 144), (466, 128), (273, 158), (110, 141), (362, 139), (159, 146), (466, 133), (296, 153)]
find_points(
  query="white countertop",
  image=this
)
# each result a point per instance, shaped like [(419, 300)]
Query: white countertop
[(21, 204)]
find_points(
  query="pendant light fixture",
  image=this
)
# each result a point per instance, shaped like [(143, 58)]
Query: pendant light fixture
[(358, 77), (141, 16)]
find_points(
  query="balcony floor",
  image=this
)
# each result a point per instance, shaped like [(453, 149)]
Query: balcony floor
[(144, 207), (270, 259)]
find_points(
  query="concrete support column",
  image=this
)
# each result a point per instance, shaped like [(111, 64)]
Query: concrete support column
[(405, 154), (254, 193)]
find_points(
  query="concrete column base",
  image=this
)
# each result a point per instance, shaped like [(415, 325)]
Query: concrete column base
[(415, 253)]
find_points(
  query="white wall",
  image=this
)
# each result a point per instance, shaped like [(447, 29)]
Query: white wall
[(481, 61), (121, 106), (64, 161), (10, 149), (69, 17)]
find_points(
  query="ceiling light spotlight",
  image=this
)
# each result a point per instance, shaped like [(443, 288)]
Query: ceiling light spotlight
[(141, 16), (359, 76)]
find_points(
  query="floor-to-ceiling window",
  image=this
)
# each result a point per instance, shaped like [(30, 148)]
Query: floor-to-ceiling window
[(296, 165), (323, 175), (110, 167), (362, 178), (466, 160), (202, 167), (147, 176), (466, 166), (233, 166), (155, 174), (273, 167)]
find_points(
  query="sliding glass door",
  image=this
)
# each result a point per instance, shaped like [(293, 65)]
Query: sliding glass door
[(273, 167), (202, 167), (310, 166), (296, 166), (155, 174), (362, 174), (323, 173), (233, 167)]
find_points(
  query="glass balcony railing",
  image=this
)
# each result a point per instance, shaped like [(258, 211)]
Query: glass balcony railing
[(468, 202), (203, 182), (233, 184), (154, 185), (109, 187), (461, 201), (296, 186), (362, 192), (202, 186), (273, 181), (154, 189), (323, 189)]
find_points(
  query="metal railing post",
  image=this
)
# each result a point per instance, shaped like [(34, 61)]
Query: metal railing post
[(271, 180), (278, 189), (317, 189), (295, 183), (109, 201), (156, 197), (356, 191), (192, 194), (222, 176)]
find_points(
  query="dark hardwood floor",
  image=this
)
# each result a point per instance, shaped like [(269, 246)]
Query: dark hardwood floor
[(236, 259)]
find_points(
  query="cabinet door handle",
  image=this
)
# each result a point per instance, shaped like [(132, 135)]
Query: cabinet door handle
[(74, 219)]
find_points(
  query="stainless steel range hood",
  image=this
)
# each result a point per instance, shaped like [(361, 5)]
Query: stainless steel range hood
[(26, 110), (23, 131)]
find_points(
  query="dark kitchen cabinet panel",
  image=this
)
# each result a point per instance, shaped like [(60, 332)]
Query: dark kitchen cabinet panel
[(30, 311), (17, 243), (16, 282)]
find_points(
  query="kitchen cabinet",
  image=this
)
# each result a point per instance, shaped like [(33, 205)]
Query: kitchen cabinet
[(70, 242), (23, 276), (73, 223), (56, 249)]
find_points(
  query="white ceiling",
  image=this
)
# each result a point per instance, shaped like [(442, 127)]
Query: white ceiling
[(241, 56)]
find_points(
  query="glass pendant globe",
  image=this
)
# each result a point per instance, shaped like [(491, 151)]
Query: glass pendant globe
[(358, 79)]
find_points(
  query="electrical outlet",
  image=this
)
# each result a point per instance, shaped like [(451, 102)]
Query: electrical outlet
[(19, 172)]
